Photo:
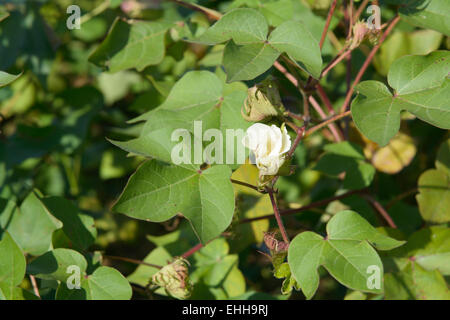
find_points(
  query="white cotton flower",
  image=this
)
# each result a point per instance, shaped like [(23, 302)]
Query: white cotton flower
[(268, 146)]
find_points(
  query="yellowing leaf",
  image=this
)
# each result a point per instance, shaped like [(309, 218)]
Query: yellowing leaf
[(392, 158)]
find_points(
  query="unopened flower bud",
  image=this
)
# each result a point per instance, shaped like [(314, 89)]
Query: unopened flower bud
[(278, 249)]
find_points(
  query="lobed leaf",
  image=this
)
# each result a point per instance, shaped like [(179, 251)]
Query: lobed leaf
[(345, 253), (205, 198), (421, 86)]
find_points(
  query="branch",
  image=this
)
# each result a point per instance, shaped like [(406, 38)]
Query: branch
[(35, 286), (135, 261), (209, 13), (327, 23), (367, 62), (95, 12), (191, 251), (323, 96), (334, 130), (248, 185), (360, 10), (277, 216), (401, 197), (344, 53), (379, 208), (307, 207), (327, 122)]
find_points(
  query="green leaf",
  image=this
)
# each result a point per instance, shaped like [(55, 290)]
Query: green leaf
[(3, 14), (197, 96), (244, 26), (104, 284), (434, 196), (345, 253), (434, 189), (12, 263), (430, 248), (414, 282), (349, 158), (205, 198), (15, 293), (248, 61), (213, 263), (443, 157), (250, 53), (53, 265), (32, 226), (401, 43), (131, 44), (6, 78), (295, 39), (355, 295), (421, 86), (107, 284), (77, 226), (234, 283), (432, 14)]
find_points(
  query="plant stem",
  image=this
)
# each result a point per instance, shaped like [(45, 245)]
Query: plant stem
[(401, 197), (367, 62), (286, 73), (334, 130), (248, 185), (327, 23), (277, 216), (327, 122), (344, 53), (211, 14), (323, 96), (379, 208), (306, 207), (135, 261), (95, 12), (360, 10), (35, 286), (191, 251)]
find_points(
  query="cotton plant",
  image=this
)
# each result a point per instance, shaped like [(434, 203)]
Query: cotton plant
[(99, 96)]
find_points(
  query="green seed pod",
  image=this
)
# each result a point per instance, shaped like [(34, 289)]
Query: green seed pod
[(263, 102), (174, 278)]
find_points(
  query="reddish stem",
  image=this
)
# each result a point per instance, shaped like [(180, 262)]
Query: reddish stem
[(323, 96), (367, 62), (277, 216), (334, 62), (333, 128), (379, 208), (327, 122), (327, 23), (191, 251)]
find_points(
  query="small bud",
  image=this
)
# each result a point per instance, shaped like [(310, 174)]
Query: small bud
[(263, 102), (360, 31), (174, 278), (278, 249)]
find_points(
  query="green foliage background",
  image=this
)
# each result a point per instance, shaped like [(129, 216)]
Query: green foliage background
[(70, 100)]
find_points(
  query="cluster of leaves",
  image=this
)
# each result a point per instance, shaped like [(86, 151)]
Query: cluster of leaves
[(64, 196)]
